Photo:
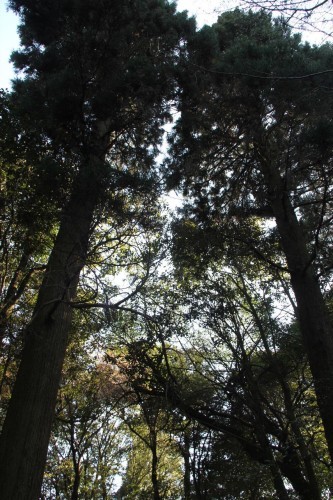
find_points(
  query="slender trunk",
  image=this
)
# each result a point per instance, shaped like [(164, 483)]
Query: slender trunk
[(312, 489), (260, 431), (154, 464), (197, 483), (104, 490), (187, 465), (196, 474), (292, 469), (309, 488), (6, 365), (76, 463), (279, 486), (315, 326), (26, 431), (76, 484), (14, 291)]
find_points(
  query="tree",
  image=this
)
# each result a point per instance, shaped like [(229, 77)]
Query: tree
[(87, 444), (28, 220), (241, 374), (97, 80), (153, 463), (255, 141), (24, 239), (309, 15)]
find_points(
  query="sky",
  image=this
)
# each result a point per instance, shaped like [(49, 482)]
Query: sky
[(9, 40)]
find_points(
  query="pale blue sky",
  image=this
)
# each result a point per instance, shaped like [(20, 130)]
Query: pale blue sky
[(9, 40)]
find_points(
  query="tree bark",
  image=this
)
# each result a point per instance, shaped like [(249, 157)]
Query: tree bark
[(26, 431), (315, 326), (154, 463), (187, 465), (76, 484), (291, 468), (76, 463)]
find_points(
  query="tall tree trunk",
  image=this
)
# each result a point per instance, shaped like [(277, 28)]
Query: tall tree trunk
[(26, 431), (315, 326)]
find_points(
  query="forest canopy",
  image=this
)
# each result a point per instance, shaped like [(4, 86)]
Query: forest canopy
[(147, 351)]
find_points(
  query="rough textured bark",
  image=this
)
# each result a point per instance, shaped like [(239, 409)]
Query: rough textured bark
[(315, 326), (26, 431)]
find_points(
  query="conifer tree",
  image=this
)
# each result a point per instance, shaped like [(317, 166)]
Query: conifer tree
[(98, 76), (255, 141)]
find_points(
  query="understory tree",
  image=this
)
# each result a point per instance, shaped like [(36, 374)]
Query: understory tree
[(229, 367), (87, 443)]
